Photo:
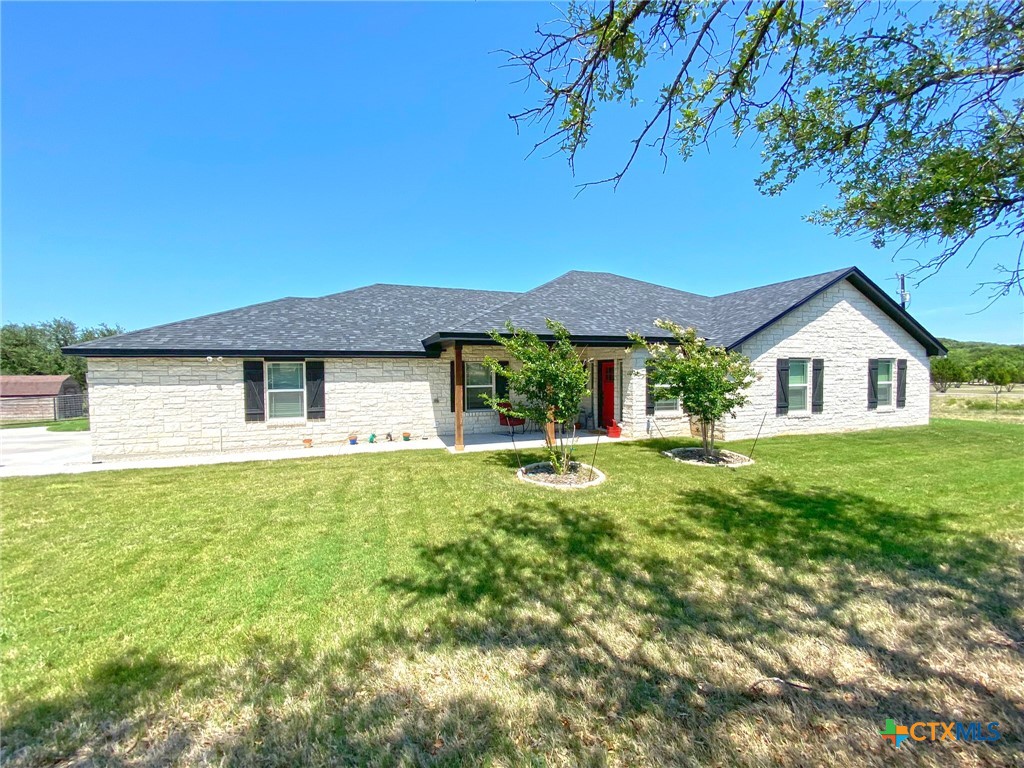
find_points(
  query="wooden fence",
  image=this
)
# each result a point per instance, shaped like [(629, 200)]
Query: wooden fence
[(15, 409)]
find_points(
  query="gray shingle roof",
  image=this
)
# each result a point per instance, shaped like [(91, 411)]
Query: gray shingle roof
[(595, 304), (376, 318), (393, 320)]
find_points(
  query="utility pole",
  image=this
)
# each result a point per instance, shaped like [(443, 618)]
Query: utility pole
[(904, 296)]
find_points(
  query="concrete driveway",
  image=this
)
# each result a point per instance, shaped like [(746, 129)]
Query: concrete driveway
[(34, 451)]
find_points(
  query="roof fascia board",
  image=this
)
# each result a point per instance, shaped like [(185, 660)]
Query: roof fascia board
[(446, 337), (882, 300), (243, 353), (804, 300), (903, 318)]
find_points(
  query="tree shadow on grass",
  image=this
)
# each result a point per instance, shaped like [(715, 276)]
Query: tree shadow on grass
[(515, 458), (801, 531), (574, 635), (93, 722), (277, 705), (656, 653)]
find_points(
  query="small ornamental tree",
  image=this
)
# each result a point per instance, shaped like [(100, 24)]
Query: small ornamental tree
[(998, 375), (710, 381), (947, 371), (548, 385), (1016, 376)]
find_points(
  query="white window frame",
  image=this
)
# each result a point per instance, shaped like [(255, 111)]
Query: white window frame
[(806, 386), (890, 384), (268, 390), (488, 388)]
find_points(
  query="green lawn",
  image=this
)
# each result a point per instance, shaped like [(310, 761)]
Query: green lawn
[(422, 608), (66, 425)]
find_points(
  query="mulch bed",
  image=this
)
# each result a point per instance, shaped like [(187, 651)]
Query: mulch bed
[(578, 476), (696, 457)]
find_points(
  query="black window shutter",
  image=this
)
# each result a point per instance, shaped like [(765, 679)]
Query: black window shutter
[(872, 384), (451, 383), (901, 383), (782, 386), (252, 377), (500, 382), (818, 384), (316, 407)]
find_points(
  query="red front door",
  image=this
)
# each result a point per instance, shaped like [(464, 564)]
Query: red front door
[(606, 392)]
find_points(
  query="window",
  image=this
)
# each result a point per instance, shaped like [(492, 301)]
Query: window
[(798, 385), (885, 382), (479, 382), (286, 390), (665, 404), (656, 395)]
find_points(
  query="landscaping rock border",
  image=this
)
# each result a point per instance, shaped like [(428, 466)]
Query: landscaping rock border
[(695, 456), (532, 474)]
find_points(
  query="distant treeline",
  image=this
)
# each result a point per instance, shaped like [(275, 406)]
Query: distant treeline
[(1001, 365), (35, 348)]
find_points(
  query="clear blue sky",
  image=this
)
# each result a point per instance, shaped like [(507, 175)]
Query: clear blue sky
[(162, 161)]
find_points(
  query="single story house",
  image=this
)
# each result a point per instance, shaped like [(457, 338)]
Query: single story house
[(835, 353), (39, 397)]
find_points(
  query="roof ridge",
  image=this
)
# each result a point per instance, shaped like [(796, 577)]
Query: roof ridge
[(635, 280), (408, 285), (35, 376), (519, 295)]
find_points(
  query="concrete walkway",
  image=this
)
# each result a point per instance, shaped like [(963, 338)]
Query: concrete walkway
[(34, 451)]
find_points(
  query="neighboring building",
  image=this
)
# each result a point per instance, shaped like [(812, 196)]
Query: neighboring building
[(39, 398), (835, 353)]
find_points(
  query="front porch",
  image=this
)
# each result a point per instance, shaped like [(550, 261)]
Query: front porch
[(617, 396)]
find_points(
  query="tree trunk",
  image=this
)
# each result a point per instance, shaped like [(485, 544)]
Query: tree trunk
[(706, 438)]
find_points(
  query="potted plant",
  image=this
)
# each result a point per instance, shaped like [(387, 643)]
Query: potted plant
[(308, 442), (353, 439), (406, 436)]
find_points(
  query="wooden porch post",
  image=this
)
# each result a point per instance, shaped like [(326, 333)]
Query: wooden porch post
[(549, 428), (459, 396)]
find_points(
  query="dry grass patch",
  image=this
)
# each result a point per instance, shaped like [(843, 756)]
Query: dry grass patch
[(974, 402)]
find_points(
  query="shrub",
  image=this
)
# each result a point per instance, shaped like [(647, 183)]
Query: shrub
[(549, 384), (711, 381), (948, 371), (989, 405)]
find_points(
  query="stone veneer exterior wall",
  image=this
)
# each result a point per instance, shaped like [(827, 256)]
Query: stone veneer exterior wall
[(845, 329), (165, 406)]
